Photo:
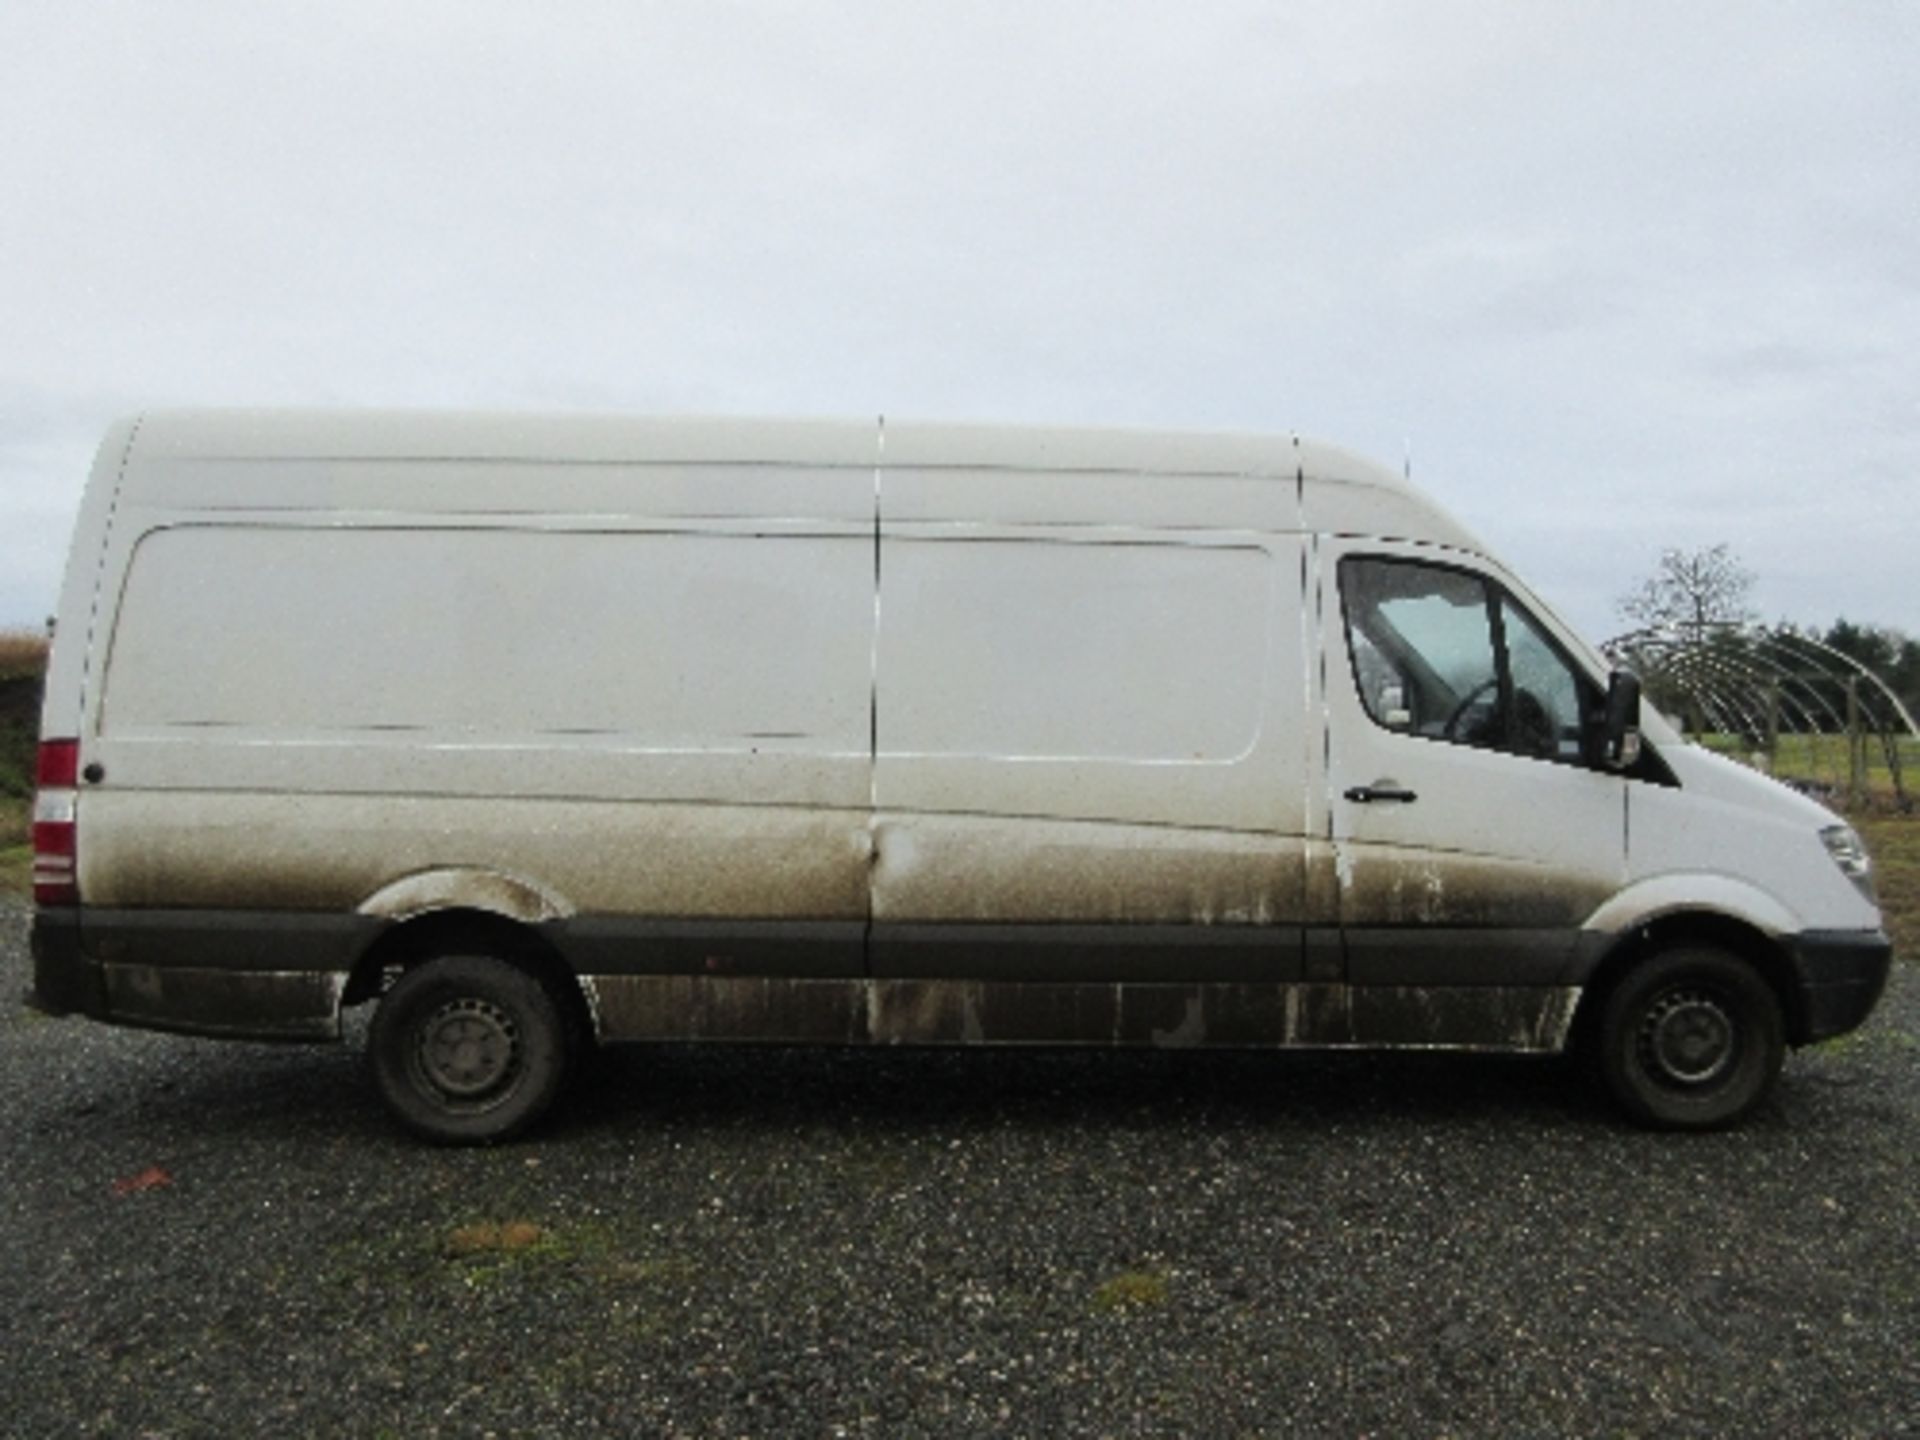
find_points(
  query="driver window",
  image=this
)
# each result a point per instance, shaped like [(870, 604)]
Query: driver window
[(1449, 656), (1422, 641)]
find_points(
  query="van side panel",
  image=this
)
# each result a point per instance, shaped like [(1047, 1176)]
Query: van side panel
[(1143, 678), (511, 655), (1090, 737), (215, 849), (723, 710), (639, 720)]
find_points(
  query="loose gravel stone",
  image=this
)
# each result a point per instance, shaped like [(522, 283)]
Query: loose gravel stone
[(762, 1242)]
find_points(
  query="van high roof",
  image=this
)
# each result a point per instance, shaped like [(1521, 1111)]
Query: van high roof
[(1334, 489)]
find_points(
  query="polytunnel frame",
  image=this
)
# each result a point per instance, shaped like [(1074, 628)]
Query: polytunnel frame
[(1765, 681)]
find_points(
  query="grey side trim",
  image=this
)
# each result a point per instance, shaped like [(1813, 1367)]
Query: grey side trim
[(1324, 956), (753, 1007), (1427, 955), (256, 1005), (609, 945), (255, 940), (1186, 954), (976, 1012), (251, 940)]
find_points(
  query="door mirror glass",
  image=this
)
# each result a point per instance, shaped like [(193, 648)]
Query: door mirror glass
[(1392, 708)]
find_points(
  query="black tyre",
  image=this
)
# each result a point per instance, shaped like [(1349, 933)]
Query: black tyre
[(469, 1049), (1691, 1039)]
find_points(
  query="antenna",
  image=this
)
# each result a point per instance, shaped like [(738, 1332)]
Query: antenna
[(1406, 465)]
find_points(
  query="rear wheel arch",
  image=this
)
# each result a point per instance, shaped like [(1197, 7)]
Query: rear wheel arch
[(410, 942)]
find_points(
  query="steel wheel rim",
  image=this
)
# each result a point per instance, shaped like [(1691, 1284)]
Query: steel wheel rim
[(1689, 1038), (468, 1051)]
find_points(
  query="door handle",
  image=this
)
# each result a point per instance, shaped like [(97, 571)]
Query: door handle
[(1367, 794)]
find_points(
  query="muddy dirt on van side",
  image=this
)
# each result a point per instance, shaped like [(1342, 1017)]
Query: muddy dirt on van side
[(212, 1238)]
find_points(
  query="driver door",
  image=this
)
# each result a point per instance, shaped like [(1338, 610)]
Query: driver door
[(1471, 835)]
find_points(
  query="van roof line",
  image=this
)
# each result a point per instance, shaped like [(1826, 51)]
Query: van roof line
[(587, 438)]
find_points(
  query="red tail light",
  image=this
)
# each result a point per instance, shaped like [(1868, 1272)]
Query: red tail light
[(56, 877), (57, 767)]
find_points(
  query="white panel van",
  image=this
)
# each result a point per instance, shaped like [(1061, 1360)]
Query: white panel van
[(541, 731)]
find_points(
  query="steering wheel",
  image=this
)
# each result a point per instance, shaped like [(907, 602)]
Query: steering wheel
[(1534, 732), (1451, 730)]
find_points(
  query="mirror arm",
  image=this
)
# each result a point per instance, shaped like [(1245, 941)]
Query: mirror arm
[(1622, 736)]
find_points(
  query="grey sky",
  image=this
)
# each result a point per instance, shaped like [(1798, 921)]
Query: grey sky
[(1623, 275)]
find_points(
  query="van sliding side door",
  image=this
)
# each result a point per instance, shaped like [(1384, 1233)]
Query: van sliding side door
[(1088, 752)]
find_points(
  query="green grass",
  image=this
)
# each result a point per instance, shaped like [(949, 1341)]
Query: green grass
[(22, 652), (23, 656), (1824, 758), (16, 870), (1894, 842), (17, 744), (1131, 1290), (16, 854), (16, 851)]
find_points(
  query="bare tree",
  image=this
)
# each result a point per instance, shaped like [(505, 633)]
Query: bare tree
[(1692, 591)]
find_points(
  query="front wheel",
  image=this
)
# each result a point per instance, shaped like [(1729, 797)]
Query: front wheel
[(468, 1049), (1691, 1039)]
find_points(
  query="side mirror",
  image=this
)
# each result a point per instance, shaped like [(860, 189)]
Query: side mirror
[(1393, 708), (1622, 735)]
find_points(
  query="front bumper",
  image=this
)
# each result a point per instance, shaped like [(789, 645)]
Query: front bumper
[(1841, 974)]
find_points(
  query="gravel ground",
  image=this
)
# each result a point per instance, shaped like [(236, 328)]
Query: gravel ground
[(216, 1239)]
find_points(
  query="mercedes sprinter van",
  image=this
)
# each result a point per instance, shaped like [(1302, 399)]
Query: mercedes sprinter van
[(540, 731)]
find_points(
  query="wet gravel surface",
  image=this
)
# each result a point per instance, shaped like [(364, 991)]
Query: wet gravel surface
[(218, 1239)]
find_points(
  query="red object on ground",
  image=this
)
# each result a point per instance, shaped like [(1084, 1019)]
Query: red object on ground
[(152, 1178)]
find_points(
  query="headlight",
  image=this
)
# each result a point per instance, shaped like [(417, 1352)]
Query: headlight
[(1850, 854)]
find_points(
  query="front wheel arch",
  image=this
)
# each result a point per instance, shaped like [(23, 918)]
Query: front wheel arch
[(1766, 955)]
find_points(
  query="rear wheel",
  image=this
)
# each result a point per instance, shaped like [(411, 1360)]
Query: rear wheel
[(1691, 1039), (469, 1049)]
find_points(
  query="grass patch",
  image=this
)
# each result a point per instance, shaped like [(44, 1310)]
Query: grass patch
[(1825, 758), (1131, 1290), (22, 652), (16, 870), (23, 660), (1894, 842), (1878, 1036), (18, 740), (488, 1238), (487, 1252), (474, 1255)]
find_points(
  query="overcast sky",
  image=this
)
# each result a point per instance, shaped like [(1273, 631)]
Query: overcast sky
[(1621, 275)]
